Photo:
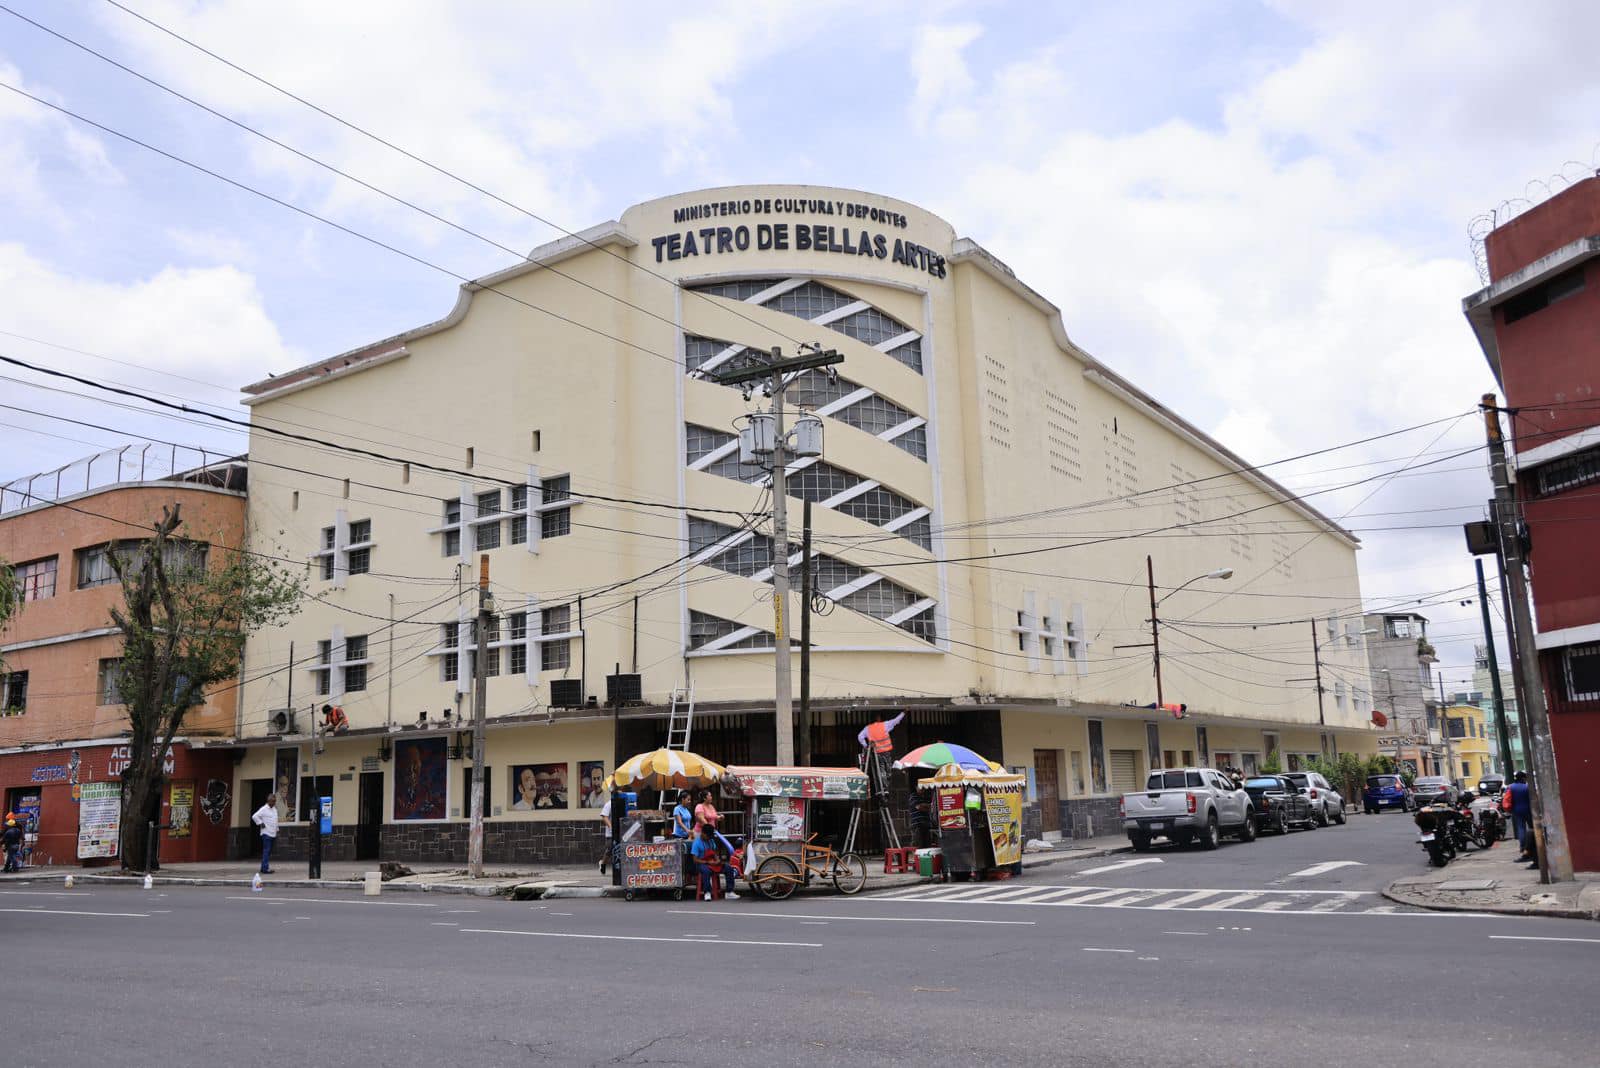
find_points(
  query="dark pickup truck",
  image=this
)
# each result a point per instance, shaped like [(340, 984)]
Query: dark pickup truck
[(1278, 803)]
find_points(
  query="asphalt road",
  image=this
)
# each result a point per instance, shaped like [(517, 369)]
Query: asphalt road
[(209, 976)]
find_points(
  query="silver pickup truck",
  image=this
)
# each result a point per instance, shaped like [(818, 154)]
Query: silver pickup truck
[(1187, 805)]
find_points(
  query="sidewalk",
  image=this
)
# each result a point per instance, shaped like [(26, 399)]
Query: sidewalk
[(532, 881), (1493, 881)]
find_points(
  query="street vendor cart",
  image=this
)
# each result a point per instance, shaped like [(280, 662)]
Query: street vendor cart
[(781, 852), (648, 861), (977, 820)]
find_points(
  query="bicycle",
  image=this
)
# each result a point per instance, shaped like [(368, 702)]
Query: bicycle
[(778, 876)]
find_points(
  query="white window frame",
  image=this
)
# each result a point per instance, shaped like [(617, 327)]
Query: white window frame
[(337, 663), (342, 548), (533, 509)]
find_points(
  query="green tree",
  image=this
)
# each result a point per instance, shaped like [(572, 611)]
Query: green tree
[(10, 602), (186, 610)]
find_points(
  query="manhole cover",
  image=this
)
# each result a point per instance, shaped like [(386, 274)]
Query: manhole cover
[(1470, 884)]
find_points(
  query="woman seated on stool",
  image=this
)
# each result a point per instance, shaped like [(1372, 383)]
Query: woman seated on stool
[(711, 857)]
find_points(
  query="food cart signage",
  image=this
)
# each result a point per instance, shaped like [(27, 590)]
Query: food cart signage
[(828, 787), (1005, 824), (651, 864), (780, 819), (948, 804)]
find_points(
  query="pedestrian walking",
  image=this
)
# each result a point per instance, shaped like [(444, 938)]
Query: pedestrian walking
[(266, 817), (605, 819), (920, 812), (13, 843), (1521, 813)]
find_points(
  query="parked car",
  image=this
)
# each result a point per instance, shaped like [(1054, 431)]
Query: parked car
[(1431, 789), (1491, 786), (1278, 803), (1326, 802), (1187, 805), (1385, 791)]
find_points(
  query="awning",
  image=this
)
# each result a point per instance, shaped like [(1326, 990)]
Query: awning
[(828, 784), (956, 775)]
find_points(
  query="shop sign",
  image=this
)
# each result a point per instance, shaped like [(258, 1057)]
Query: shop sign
[(780, 819), (853, 239), (99, 819), (652, 864), (50, 773), (119, 759), (1005, 824), (182, 807)]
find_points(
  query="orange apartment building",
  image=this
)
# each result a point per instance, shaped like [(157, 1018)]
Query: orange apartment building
[(63, 736)]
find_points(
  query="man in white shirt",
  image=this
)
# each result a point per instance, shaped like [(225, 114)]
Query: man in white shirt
[(266, 817), (605, 818)]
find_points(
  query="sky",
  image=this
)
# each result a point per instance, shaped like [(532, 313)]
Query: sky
[(1258, 211)]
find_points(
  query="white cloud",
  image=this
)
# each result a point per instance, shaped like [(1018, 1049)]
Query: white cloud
[(942, 80), (33, 140), (207, 325)]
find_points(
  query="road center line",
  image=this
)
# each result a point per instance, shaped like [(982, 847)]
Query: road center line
[(70, 912), (1541, 938), (48, 893), (1119, 865), (1091, 949), (832, 916), (332, 901), (1187, 934), (640, 938)]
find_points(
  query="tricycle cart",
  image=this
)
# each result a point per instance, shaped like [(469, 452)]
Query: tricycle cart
[(781, 852)]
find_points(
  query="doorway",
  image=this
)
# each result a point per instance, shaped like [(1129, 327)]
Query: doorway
[(1047, 777), (369, 815)]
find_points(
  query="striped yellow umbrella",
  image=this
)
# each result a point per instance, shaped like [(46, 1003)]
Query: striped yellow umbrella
[(667, 769)]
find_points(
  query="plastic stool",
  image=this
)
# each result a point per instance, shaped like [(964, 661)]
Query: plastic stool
[(899, 861)]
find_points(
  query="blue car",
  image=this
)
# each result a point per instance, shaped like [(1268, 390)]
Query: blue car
[(1385, 791)]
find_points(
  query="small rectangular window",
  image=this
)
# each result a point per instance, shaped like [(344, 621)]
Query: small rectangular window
[(452, 510), (36, 579), (487, 536), (14, 693), (555, 655), (1582, 664), (488, 503), (518, 660), (109, 682), (519, 530), (451, 546), (556, 489), (555, 524), (360, 561), (519, 498), (360, 531)]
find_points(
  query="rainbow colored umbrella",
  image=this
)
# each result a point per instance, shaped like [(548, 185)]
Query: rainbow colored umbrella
[(938, 754)]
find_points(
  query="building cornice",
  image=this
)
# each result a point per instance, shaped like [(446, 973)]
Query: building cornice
[(394, 348), (58, 639), (1479, 307)]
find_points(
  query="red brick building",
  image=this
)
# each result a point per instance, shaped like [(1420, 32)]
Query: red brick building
[(63, 733), (1538, 321)]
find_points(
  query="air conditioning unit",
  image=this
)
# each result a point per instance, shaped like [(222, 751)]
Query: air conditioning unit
[(624, 689), (566, 693), (281, 720)]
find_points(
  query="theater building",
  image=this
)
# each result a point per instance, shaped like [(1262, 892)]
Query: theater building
[(63, 730), (983, 506)]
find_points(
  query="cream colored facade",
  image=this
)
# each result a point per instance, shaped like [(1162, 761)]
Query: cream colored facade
[(974, 508)]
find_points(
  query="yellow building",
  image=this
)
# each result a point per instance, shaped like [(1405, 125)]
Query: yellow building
[(986, 498), (1469, 729)]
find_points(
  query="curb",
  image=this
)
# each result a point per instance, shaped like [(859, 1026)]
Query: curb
[(290, 884), (1400, 896)]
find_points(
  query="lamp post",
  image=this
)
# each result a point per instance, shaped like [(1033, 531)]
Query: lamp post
[(1154, 643)]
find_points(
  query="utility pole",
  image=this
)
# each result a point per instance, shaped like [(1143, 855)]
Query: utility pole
[(1549, 819), (314, 817), (1501, 730), (776, 373), (805, 636), (1523, 740), (1155, 627), (1444, 729), (480, 712)]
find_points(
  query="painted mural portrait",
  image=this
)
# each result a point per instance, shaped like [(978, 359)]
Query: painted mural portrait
[(419, 779)]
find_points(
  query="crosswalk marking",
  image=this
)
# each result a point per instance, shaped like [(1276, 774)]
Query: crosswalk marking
[(1271, 900)]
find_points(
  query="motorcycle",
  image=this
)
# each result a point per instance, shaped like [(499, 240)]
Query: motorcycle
[(1487, 822), (1438, 833)]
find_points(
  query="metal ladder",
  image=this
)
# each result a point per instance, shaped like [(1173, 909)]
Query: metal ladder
[(872, 762), (680, 719)]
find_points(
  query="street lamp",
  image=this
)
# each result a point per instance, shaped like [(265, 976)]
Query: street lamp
[(1155, 621)]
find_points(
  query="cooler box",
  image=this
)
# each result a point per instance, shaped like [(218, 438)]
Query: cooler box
[(930, 862)]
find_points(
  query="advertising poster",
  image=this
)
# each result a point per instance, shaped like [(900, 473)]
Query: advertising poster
[(1005, 824), (286, 782), (592, 783), (419, 785), (99, 819), (947, 803), (780, 819), (182, 806)]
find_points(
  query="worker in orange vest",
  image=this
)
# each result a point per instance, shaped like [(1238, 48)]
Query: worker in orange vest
[(334, 721), (876, 734)]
